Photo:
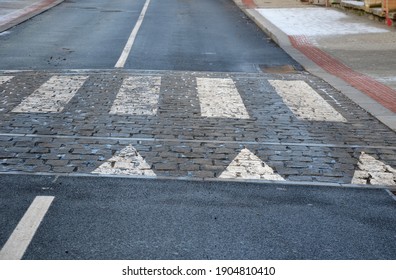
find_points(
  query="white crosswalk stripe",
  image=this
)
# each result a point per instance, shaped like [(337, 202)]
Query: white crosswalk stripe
[(138, 95), (219, 98), (127, 162), (305, 102), (248, 166), (4, 79), (52, 96)]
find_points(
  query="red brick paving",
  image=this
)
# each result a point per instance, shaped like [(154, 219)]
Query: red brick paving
[(249, 4), (379, 92)]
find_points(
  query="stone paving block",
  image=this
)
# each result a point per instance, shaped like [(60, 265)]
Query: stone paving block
[(179, 141), (165, 166)]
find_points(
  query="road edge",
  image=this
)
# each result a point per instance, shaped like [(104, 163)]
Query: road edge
[(260, 182), (27, 13)]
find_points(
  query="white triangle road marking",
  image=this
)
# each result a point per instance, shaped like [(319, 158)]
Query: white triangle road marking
[(248, 166), (373, 172), (4, 79), (127, 162)]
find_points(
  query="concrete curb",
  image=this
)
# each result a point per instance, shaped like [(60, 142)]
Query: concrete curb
[(383, 114), (264, 183), (26, 13)]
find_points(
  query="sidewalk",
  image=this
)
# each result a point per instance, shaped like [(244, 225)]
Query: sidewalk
[(354, 54), (15, 12)]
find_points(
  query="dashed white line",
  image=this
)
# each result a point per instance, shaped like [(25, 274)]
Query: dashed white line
[(16, 245), (219, 98), (137, 96), (52, 96), (128, 47)]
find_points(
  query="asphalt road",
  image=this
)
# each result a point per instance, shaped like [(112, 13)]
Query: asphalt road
[(192, 35), (115, 218)]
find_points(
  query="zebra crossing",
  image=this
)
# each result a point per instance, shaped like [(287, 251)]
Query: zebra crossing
[(194, 125), (141, 95)]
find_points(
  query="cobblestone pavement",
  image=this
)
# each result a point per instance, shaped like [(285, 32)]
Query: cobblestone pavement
[(289, 127)]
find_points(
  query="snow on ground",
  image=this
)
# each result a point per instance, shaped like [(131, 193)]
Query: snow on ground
[(317, 22)]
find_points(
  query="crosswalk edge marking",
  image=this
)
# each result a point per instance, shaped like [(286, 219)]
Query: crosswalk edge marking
[(128, 161), (247, 165)]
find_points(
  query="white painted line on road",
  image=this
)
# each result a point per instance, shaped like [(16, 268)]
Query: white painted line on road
[(248, 166), (374, 172), (305, 102), (219, 98), (137, 96), (127, 162), (52, 96), (4, 79), (128, 47), (16, 245)]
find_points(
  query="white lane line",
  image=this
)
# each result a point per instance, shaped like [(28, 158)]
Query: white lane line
[(127, 162), (137, 96), (4, 79), (305, 102), (16, 245), (248, 166), (52, 96), (128, 47), (219, 98)]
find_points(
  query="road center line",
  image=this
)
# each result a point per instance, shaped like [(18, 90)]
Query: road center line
[(16, 245), (128, 47)]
